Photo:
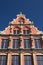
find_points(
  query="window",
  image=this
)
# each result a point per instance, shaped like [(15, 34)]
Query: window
[(40, 60), (27, 60), (16, 31), (3, 60), (27, 43), (15, 60), (16, 43), (37, 43), (5, 43), (21, 22), (26, 32)]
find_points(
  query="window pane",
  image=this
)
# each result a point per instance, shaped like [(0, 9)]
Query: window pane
[(27, 43), (16, 43), (3, 60), (37, 43), (27, 60), (16, 31), (40, 60), (26, 31), (15, 60), (5, 43)]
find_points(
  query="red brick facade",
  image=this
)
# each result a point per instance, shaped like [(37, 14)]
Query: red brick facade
[(21, 23)]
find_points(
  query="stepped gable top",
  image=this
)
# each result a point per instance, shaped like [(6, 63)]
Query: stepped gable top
[(20, 15), (25, 21)]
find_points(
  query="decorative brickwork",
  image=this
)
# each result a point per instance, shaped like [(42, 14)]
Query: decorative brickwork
[(20, 40)]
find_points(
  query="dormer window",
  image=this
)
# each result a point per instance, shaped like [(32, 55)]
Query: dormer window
[(16, 31), (26, 32)]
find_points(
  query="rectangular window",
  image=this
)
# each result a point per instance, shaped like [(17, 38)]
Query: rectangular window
[(27, 60), (15, 60), (16, 43), (37, 43), (40, 60), (16, 31), (26, 32), (5, 43), (27, 43), (3, 60)]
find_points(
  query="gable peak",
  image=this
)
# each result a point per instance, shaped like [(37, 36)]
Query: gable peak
[(21, 15)]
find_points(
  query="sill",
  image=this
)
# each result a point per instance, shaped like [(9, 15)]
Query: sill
[(21, 34), (26, 48), (38, 48), (21, 50), (3, 49)]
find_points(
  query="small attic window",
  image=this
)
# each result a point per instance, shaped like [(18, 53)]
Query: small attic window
[(21, 21)]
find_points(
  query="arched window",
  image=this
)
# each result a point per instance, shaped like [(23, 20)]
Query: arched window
[(26, 32), (16, 31)]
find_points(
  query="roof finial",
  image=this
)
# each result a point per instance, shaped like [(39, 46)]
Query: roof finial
[(21, 14)]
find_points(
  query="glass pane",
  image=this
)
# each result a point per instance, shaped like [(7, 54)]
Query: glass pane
[(37, 43), (3, 60), (15, 60), (15, 43), (26, 31), (27, 43), (5, 43), (40, 60), (39, 57), (16, 31), (27, 60)]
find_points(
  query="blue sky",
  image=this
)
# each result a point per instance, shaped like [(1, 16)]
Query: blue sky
[(33, 9)]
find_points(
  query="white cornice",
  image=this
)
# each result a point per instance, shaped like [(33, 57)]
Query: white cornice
[(2, 32)]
